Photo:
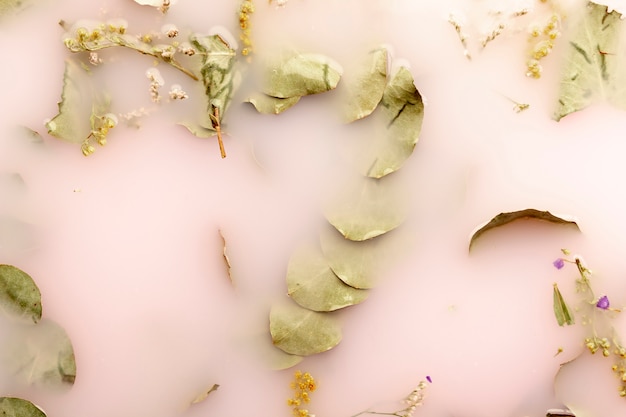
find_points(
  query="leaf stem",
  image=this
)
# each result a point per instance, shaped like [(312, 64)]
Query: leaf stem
[(215, 118)]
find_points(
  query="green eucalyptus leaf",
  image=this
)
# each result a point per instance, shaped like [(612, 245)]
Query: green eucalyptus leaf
[(508, 217), (17, 407), (561, 312), (9, 6), (595, 62), (401, 112), (312, 284), (271, 105), (40, 354), (366, 209), (300, 75), (19, 295), (299, 331), (365, 90)]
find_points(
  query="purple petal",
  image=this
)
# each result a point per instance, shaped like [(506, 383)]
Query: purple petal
[(603, 302), (429, 379), (559, 263)]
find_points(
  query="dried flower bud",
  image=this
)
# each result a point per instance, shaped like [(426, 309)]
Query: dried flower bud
[(170, 30)]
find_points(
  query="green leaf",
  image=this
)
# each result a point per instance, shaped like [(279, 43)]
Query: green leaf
[(40, 354), (400, 113), (508, 217), (10, 6), (366, 209), (271, 105), (299, 75), (312, 284), (561, 312), (299, 331), (17, 407), (595, 62), (19, 295), (365, 90)]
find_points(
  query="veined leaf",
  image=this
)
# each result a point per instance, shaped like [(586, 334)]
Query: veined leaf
[(271, 105), (19, 295), (10, 6), (561, 312), (312, 284), (17, 407), (594, 66), (299, 75), (299, 331), (365, 91), (508, 217)]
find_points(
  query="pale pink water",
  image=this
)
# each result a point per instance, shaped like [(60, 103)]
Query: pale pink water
[(129, 259)]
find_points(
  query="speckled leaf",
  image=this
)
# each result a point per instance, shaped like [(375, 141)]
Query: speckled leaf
[(365, 90), (40, 354), (312, 284), (299, 331), (508, 217), (301, 74), (271, 105), (561, 312), (17, 407), (19, 295), (366, 209), (400, 113), (595, 62)]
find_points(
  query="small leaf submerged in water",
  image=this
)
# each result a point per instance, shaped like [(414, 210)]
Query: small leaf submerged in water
[(312, 284), (203, 396), (508, 217), (17, 407), (19, 295), (271, 105), (299, 331), (365, 90), (561, 312)]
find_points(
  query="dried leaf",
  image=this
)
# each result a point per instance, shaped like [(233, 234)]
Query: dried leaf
[(595, 62), (203, 396), (19, 295), (508, 217), (366, 210), (561, 312), (271, 105), (17, 407), (312, 284), (365, 91), (10, 6), (225, 255), (299, 331), (39, 354), (401, 112), (299, 75)]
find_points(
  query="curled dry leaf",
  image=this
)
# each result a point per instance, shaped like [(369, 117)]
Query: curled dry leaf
[(300, 75), (19, 295), (401, 112), (508, 217), (203, 396), (225, 256), (365, 90), (17, 407), (312, 284), (366, 209), (594, 65), (271, 105), (561, 311), (299, 331)]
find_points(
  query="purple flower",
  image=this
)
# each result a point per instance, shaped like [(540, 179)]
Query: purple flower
[(559, 263), (603, 302), (429, 379)]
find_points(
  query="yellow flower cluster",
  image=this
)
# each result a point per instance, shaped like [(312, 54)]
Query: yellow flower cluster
[(302, 385), (245, 10), (543, 42), (100, 126)]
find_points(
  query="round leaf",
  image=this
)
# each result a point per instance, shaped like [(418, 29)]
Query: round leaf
[(364, 92), (19, 295), (17, 407), (303, 332), (271, 105), (300, 75), (312, 284)]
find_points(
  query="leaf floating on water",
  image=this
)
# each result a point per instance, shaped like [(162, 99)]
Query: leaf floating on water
[(401, 110), (19, 295), (271, 105), (205, 394), (40, 354), (594, 68), (15, 235), (561, 312), (17, 407), (312, 284), (299, 331), (365, 91), (366, 210), (505, 218), (225, 256), (301, 75)]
